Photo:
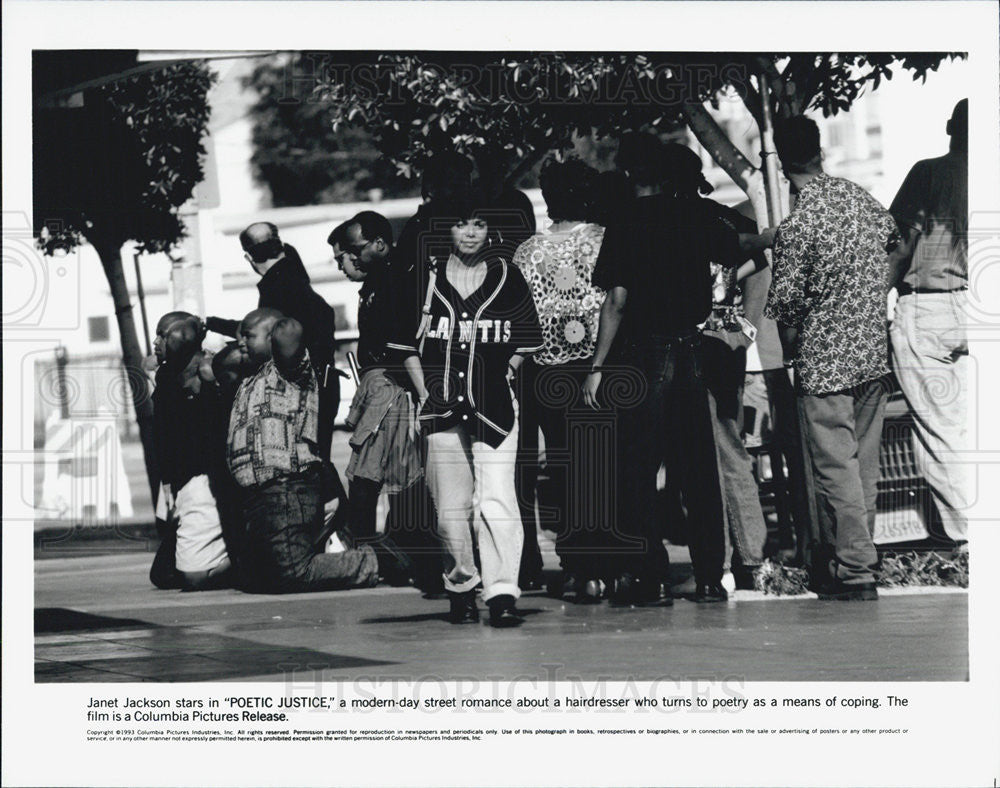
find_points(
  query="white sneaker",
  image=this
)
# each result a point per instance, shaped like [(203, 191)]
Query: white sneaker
[(729, 582)]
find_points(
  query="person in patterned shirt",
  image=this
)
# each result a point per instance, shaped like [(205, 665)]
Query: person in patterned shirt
[(274, 458), (828, 295), (557, 264)]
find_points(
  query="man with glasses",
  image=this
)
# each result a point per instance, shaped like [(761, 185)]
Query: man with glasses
[(384, 457)]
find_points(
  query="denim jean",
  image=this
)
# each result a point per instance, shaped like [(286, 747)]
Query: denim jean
[(527, 469), (930, 355), (672, 422), (283, 518), (746, 533), (844, 433), (784, 413)]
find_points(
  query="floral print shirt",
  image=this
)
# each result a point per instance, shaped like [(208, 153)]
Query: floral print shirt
[(830, 270), (558, 267)]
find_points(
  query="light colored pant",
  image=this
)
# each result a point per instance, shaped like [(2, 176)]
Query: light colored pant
[(930, 356), (472, 485), (200, 546)]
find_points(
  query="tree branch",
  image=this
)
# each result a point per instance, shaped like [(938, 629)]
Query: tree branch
[(718, 145), (728, 156)]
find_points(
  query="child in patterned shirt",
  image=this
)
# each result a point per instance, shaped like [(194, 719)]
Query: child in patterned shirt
[(273, 456)]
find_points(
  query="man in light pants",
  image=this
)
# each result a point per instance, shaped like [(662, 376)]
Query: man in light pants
[(930, 350)]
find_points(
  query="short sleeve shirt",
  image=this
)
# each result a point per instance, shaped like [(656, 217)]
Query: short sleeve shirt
[(661, 255), (830, 270), (934, 201), (274, 423)]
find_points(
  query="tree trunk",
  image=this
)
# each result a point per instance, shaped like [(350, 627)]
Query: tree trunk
[(111, 260), (726, 155)]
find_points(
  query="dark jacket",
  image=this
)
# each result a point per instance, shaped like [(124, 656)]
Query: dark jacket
[(188, 427), (286, 287)]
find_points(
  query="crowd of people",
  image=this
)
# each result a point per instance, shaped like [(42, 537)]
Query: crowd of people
[(510, 378)]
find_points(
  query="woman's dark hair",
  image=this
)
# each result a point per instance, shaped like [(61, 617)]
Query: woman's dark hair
[(641, 154), (682, 171), (464, 205), (567, 188), (612, 194), (445, 173)]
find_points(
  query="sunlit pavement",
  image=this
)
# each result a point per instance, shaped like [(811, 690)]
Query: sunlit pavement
[(97, 619)]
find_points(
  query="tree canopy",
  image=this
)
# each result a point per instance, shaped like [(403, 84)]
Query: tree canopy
[(521, 105), (118, 168), (299, 154)]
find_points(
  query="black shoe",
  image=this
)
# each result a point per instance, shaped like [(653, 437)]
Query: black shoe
[(655, 595), (566, 583), (709, 592), (590, 593), (503, 613), (847, 592), (626, 592), (463, 608), (534, 582), (394, 566)]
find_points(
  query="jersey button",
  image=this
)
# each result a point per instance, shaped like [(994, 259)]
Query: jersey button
[(465, 314), (464, 346), (461, 374), (465, 418), (461, 398)]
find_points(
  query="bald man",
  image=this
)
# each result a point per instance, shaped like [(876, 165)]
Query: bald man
[(274, 458)]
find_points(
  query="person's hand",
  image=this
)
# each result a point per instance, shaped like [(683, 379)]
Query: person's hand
[(590, 387), (422, 397), (767, 236)]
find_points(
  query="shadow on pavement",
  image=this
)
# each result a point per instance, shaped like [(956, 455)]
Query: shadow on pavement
[(440, 616), (71, 646)]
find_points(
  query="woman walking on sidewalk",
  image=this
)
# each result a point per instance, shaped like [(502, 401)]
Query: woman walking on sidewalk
[(466, 328)]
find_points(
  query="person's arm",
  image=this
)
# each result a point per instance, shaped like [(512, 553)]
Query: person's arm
[(909, 212), (611, 317), (789, 342), (901, 255), (224, 326), (788, 301), (753, 243), (755, 289)]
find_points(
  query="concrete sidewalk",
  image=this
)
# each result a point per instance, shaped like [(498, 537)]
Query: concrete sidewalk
[(98, 619)]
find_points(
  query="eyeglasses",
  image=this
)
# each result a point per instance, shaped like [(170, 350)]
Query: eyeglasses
[(357, 249)]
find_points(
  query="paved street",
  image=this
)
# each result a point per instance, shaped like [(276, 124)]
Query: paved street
[(98, 619)]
